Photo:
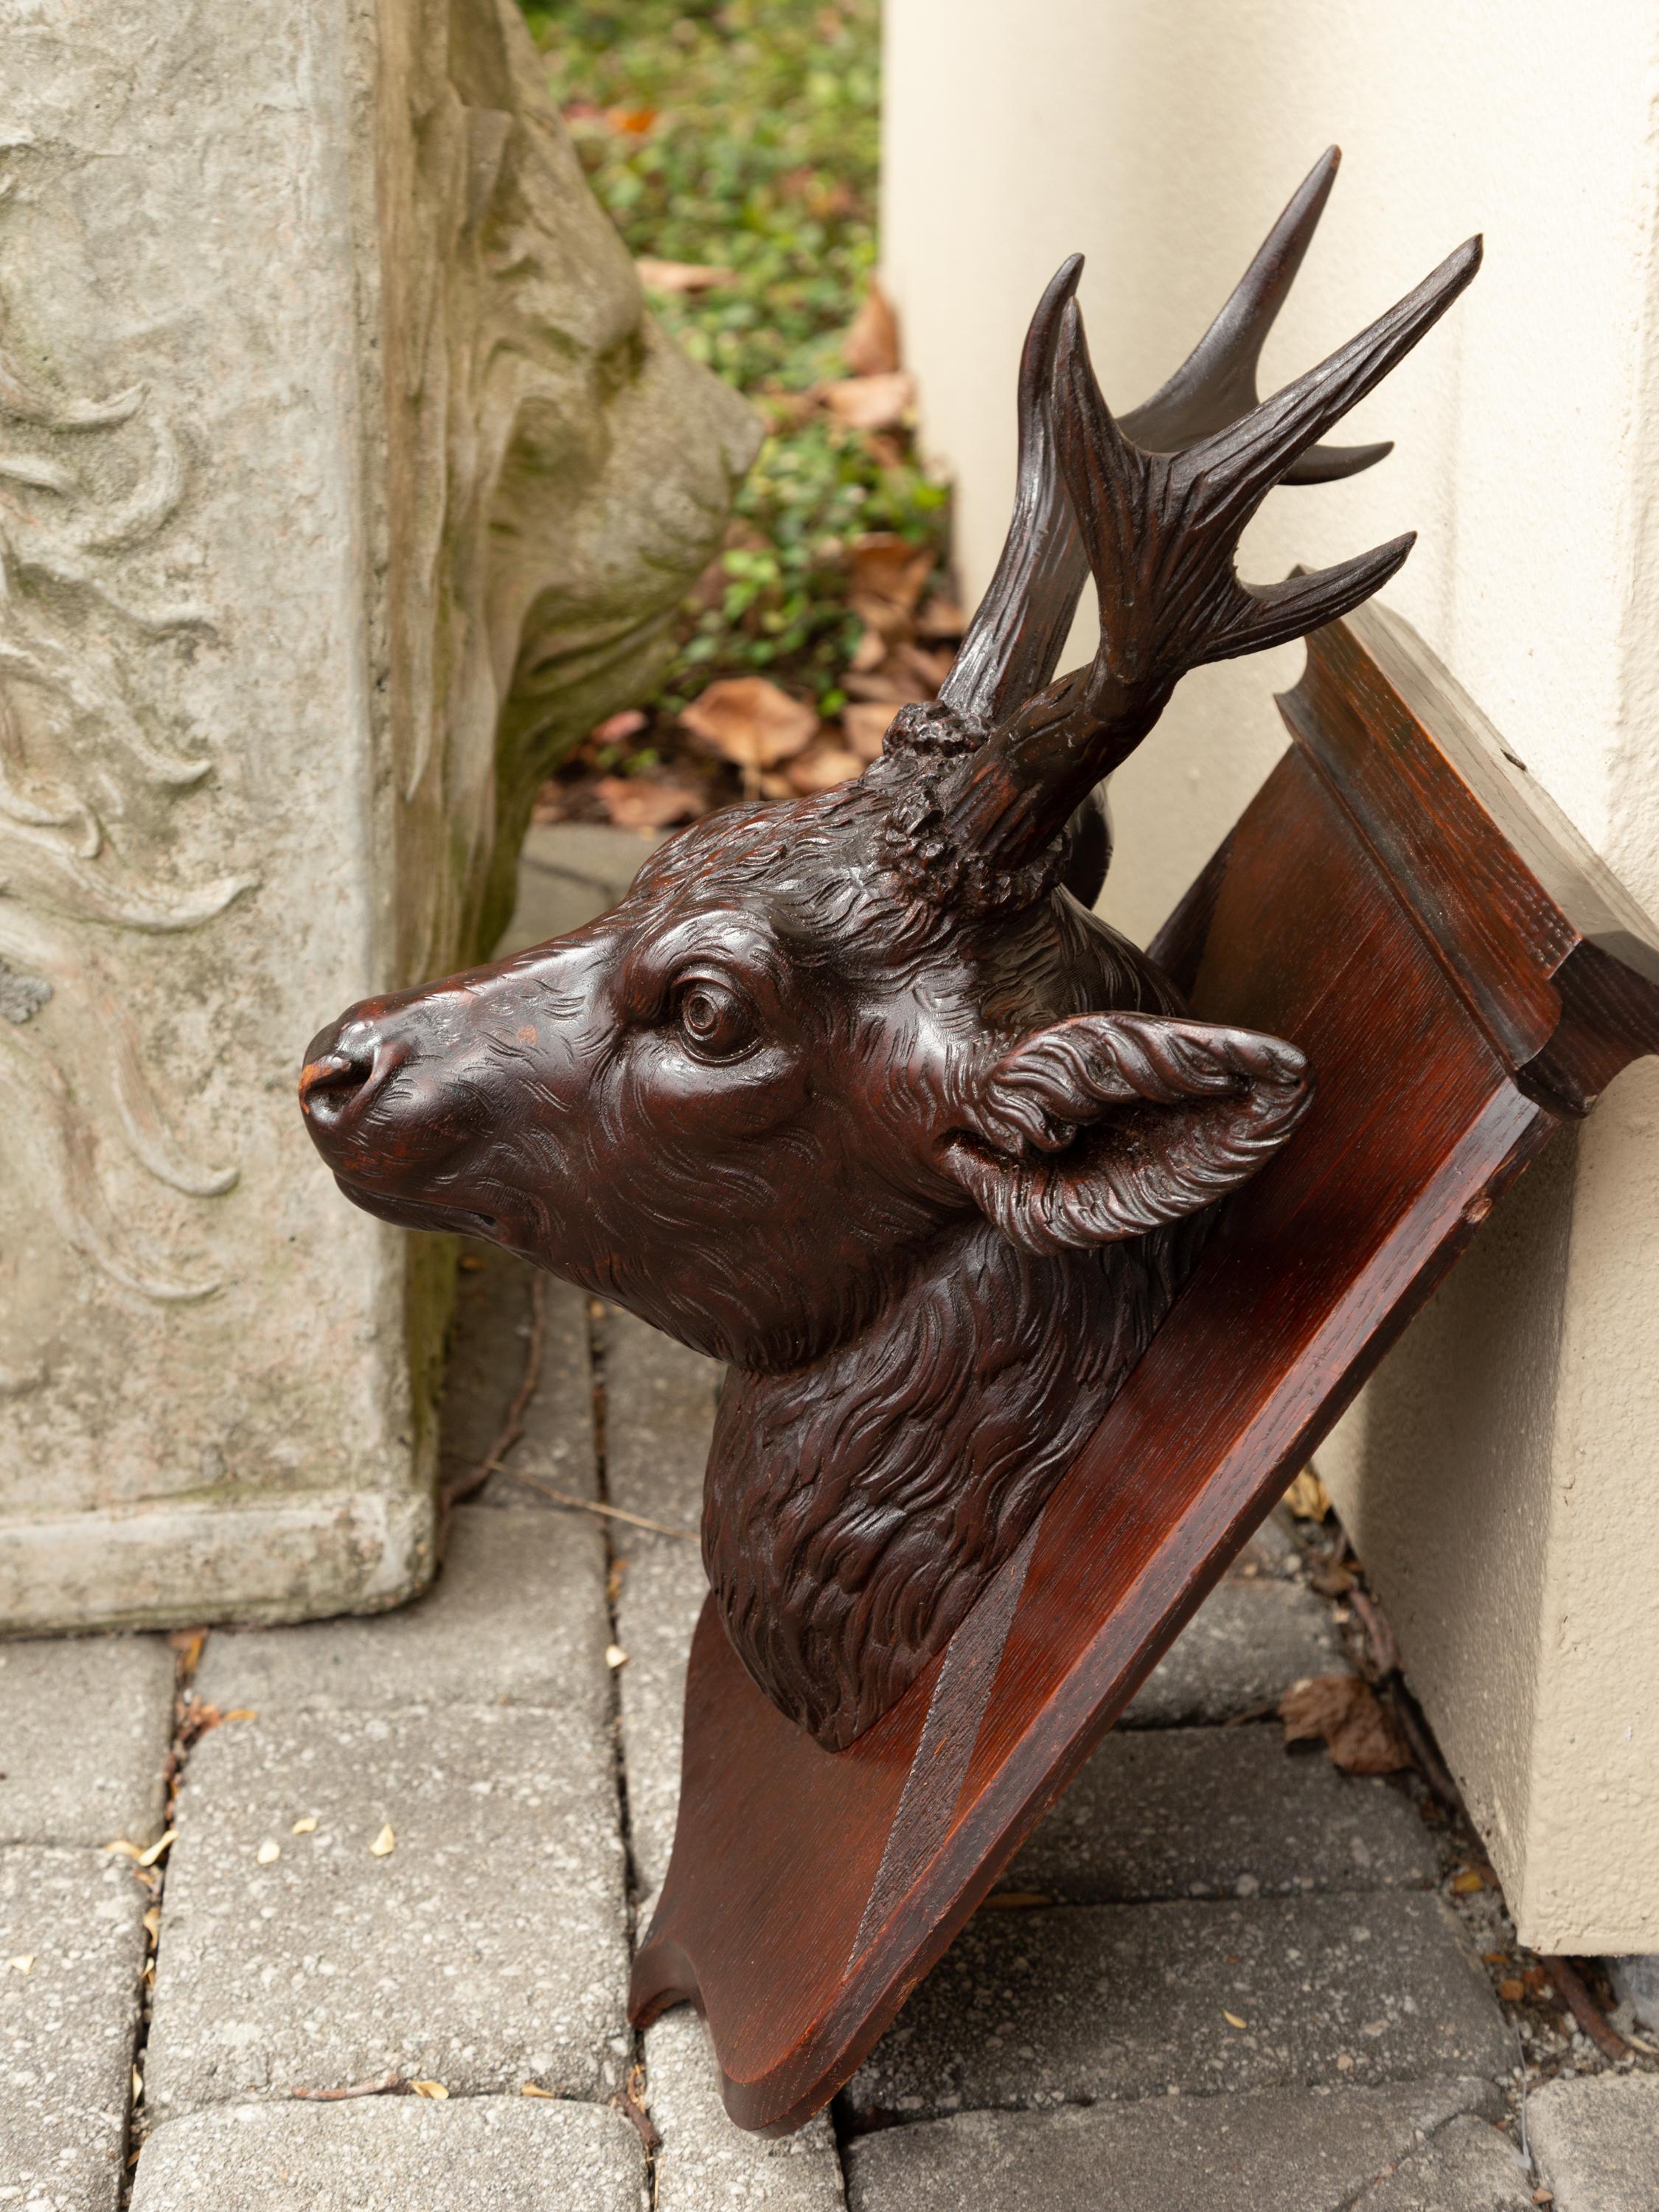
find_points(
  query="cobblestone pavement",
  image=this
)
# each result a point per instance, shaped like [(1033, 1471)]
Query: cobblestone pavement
[(408, 1854)]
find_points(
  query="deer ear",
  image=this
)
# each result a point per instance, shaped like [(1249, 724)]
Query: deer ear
[(1109, 1125)]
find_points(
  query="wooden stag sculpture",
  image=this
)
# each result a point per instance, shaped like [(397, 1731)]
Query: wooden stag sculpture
[(853, 1092)]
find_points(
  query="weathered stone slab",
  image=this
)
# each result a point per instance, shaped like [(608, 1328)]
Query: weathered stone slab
[(490, 1346), (1470, 2166), (340, 523), (87, 1722), (1240, 1653), (1168, 1813), (1294, 2150), (659, 1409), (1033, 2008), (704, 2161), (395, 2155), (517, 1617), (487, 1949), (568, 872), (71, 1951), (1596, 2137)]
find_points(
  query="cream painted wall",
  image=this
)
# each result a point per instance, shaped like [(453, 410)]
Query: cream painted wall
[(1503, 1477)]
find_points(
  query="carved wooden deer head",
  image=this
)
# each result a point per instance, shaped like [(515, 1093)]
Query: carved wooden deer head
[(851, 1092)]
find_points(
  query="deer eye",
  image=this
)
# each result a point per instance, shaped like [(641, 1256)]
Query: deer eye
[(715, 1022)]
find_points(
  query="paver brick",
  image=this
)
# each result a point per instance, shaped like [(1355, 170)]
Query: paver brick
[(486, 1950), (1168, 1813), (659, 1409), (71, 1951), (705, 2162), (88, 1722), (1294, 2150), (1048, 2006), (488, 1346), (568, 874), (1239, 1653), (1597, 2138), (1470, 2166), (395, 2155), (518, 1616)]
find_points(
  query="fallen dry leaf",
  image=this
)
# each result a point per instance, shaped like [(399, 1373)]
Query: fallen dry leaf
[(616, 729), (1358, 1732), (22, 1963), (869, 653), (269, 1852), (884, 566), (748, 721), (1511, 1991), (308, 1826), (385, 1843), (153, 1922), (1233, 2019), (866, 726), (638, 802), (684, 275), (1468, 1883), (242, 1713), (870, 347), (615, 1655), (127, 1850), (1308, 1497), (820, 767), (187, 1643), (433, 2089), (941, 617), (871, 403), (528, 2089), (162, 1843)]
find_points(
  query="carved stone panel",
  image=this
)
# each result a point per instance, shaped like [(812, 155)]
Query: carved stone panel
[(340, 473)]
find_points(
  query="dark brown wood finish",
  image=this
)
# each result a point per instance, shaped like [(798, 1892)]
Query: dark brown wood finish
[(1404, 904), (853, 1093)]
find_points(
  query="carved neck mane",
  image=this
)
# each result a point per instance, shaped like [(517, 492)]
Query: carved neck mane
[(855, 1508)]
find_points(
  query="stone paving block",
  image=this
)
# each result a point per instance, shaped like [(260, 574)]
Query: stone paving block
[(1245, 1646), (704, 2161), (396, 2154), (658, 1416), (659, 1409), (487, 1949), (1166, 1813), (1596, 2136), (1291, 2150), (1469, 2167), (1076, 2002), (662, 1592), (67, 2020), (489, 1341), (518, 1616), (568, 872), (87, 1722)]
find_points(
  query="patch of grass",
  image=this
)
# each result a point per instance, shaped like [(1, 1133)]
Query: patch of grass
[(744, 137)]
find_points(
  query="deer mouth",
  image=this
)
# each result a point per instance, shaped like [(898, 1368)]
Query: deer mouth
[(419, 1212)]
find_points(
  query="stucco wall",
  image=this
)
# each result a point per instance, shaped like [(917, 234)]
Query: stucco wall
[(1503, 1478)]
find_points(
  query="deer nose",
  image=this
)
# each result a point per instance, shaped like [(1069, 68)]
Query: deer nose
[(346, 1068)]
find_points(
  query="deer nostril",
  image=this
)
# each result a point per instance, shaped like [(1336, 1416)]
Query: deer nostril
[(333, 1077)]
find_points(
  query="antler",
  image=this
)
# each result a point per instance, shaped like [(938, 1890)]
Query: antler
[(1160, 530), (1015, 639)]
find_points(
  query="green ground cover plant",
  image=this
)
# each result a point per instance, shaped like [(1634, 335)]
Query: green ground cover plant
[(735, 146)]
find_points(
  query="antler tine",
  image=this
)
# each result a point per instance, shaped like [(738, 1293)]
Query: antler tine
[(1014, 641), (1233, 470), (1279, 612), (1216, 383), (1017, 634)]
